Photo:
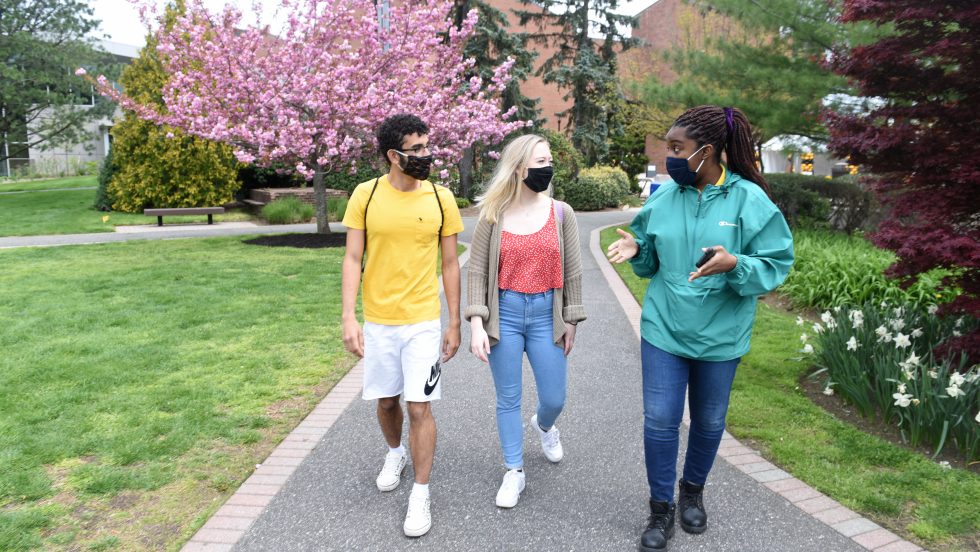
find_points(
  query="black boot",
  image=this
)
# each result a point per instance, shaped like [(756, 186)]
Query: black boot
[(660, 527), (691, 508)]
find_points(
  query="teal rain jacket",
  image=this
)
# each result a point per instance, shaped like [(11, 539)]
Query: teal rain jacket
[(710, 318)]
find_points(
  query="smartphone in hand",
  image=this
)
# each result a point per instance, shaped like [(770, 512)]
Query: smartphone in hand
[(705, 258)]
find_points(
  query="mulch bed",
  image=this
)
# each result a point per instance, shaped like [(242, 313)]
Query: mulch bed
[(305, 241)]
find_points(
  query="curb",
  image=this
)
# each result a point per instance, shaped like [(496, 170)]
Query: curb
[(228, 525), (861, 530)]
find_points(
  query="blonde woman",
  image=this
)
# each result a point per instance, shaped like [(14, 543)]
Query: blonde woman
[(525, 296)]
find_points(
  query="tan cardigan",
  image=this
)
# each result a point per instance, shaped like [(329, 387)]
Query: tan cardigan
[(482, 287)]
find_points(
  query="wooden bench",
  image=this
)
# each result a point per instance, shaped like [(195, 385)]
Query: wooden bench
[(160, 213)]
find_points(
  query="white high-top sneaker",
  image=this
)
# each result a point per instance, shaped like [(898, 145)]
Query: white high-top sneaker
[(510, 489), (391, 473), (550, 441)]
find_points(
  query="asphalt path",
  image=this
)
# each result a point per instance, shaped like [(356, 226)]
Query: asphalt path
[(594, 500)]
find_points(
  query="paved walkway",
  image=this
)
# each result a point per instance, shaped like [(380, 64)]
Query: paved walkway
[(316, 491)]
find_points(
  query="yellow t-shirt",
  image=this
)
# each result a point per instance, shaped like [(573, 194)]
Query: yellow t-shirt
[(400, 285)]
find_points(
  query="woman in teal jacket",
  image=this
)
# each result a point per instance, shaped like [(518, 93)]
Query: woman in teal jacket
[(698, 313)]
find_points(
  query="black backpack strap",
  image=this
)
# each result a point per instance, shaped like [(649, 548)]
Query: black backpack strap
[(368, 203), (442, 216)]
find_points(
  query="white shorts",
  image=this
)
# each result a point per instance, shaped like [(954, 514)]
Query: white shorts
[(403, 360)]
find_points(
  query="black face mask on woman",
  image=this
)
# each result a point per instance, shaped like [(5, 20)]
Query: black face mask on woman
[(538, 178), (416, 166)]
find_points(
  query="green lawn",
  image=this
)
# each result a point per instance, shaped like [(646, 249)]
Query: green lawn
[(71, 212), (49, 183), (142, 381), (897, 488)]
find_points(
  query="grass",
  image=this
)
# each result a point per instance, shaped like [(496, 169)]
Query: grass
[(895, 487), (48, 183), (71, 212), (142, 382)]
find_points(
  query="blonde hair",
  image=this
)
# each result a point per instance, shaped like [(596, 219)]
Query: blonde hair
[(505, 183)]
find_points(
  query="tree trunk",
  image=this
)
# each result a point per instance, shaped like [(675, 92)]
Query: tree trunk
[(320, 195), (466, 172), (758, 153)]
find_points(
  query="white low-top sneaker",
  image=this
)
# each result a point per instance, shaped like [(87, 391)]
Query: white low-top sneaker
[(550, 441), (391, 473), (418, 519), (510, 489)]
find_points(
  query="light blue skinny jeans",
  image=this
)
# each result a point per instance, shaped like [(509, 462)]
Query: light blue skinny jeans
[(526, 326)]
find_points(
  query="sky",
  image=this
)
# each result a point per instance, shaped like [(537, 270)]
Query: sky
[(121, 21)]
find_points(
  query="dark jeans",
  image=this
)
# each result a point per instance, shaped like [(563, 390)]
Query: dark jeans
[(665, 379)]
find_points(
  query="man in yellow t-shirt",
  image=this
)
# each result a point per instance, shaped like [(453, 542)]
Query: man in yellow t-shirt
[(405, 221)]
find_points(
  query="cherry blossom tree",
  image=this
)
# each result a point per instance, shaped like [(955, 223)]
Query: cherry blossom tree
[(312, 94)]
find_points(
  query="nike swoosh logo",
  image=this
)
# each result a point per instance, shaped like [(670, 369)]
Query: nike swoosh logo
[(430, 385)]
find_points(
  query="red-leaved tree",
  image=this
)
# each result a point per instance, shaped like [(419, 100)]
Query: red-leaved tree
[(312, 95), (921, 140)]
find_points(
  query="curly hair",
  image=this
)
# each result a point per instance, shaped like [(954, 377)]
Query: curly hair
[(394, 129), (726, 129)]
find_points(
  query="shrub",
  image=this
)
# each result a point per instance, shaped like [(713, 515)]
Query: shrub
[(161, 167), (834, 269), (800, 206), (287, 210), (102, 200), (343, 180), (846, 204), (881, 358), (596, 188), (567, 162), (462, 202)]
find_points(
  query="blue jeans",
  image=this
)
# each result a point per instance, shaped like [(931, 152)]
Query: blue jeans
[(665, 377), (526, 323)]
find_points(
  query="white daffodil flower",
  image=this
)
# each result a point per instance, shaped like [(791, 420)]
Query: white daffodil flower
[(902, 399), (902, 341), (957, 379), (954, 391), (808, 349), (932, 309), (799, 320), (897, 324), (917, 332), (852, 344)]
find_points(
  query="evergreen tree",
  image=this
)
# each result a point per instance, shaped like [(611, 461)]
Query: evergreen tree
[(919, 138), (42, 102), (158, 166), (582, 65), (491, 45), (769, 63)]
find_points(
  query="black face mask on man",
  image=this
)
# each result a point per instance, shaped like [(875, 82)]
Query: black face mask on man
[(538, 178), (416, 166)]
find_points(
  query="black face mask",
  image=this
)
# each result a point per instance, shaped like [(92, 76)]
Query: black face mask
[(538, 178), (417, 167)]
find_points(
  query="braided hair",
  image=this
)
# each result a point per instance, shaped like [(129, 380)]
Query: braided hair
[(725, 129)]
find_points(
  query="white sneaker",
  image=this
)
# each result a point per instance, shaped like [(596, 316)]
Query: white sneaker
[(391, 473), (418, 520), (510, 489), (550, 441)]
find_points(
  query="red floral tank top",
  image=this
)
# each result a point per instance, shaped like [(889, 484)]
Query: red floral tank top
[(531, 263)]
